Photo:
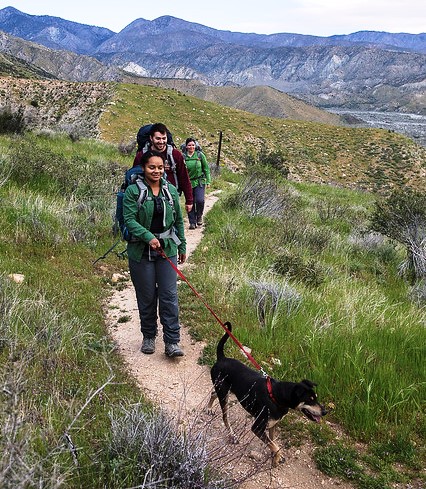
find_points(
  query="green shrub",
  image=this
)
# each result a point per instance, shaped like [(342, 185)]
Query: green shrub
[(292, 265), (12, 122), (260, 194), (402, 217)]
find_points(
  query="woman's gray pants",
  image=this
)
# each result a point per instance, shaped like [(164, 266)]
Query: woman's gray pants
[(155, 284)]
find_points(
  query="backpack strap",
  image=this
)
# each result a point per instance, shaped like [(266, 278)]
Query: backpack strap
[(143, 192), (167, 194), (172, 163)]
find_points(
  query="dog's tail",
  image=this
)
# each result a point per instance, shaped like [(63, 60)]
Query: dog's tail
[(219, 350)]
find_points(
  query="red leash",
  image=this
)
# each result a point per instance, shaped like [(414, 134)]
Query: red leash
[(182, 276)]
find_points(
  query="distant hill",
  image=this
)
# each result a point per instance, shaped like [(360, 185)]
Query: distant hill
[(64, 65), (50, 63), (258, 100), (53, 32), (365, 70), (13, 66)]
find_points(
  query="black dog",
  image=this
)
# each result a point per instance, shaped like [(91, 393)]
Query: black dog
[(266, 399)]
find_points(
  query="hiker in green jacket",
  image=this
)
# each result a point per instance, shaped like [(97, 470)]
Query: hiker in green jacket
[(199, 174), (156, 223)]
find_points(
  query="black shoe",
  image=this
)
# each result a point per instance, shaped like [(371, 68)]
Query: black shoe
[(192, 226), (148, 346), (173, 350), (200, 222)]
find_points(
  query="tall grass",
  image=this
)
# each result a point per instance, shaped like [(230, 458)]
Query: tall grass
[(60, 375), (355, 331)]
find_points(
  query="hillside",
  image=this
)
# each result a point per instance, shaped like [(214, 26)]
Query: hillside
[(64, 65), (57, 105), (369, 159), (15, 67), (260, 100)]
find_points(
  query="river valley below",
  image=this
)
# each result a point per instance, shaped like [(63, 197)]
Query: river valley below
[(411, 125)]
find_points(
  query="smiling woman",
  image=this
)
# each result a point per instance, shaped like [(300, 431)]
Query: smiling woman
[(156, 223)]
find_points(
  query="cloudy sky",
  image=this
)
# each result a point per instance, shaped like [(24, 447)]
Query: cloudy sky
[(316, 17)]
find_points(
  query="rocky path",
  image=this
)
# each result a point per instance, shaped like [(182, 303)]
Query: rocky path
[(182, 388)]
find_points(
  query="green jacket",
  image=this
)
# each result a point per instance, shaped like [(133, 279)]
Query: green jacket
[(198, 168), (138, 221)]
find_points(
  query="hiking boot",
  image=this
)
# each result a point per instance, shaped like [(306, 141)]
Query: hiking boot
[(192, 226), (148, 346), (200, 221), (173, 350)]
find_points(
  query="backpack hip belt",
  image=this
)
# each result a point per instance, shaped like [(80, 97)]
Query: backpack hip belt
[(170, 233)]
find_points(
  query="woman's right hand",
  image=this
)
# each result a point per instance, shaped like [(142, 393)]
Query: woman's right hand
[(155, 244)]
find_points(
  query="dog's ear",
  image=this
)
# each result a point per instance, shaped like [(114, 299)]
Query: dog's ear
[(308, 383)]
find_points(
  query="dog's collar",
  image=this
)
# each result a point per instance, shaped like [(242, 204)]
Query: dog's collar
[(269, 387)]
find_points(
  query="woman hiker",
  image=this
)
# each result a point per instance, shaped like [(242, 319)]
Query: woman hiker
[(156, 223), (199, 174)]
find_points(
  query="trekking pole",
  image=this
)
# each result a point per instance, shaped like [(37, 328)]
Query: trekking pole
[(219, 148), (105, 255)]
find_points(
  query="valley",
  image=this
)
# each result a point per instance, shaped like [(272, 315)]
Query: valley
[(411, 125)]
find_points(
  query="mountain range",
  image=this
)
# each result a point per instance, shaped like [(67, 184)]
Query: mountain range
[(365, 70)]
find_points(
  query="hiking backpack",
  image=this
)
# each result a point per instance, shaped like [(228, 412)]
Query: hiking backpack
[(134, 175)]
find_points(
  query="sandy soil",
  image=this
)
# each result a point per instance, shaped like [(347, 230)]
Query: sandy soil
[(182, 388)]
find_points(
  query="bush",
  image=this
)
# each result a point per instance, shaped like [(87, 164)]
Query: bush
[(294, 266), (12, 122), (268, 296), (263, 195), (402, 217), (418, 293), (147, 450), (269, 159), (127, 149), (328, 211)]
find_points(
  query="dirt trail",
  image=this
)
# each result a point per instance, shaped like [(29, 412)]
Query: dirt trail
[(182, 388)]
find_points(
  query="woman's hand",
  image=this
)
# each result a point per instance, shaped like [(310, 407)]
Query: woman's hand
[(181, 258), (155, 244)]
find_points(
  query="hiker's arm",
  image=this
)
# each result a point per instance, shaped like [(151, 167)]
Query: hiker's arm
[(179, 225), (138, 157), (135, 218), (206, 169), (184, 181)]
